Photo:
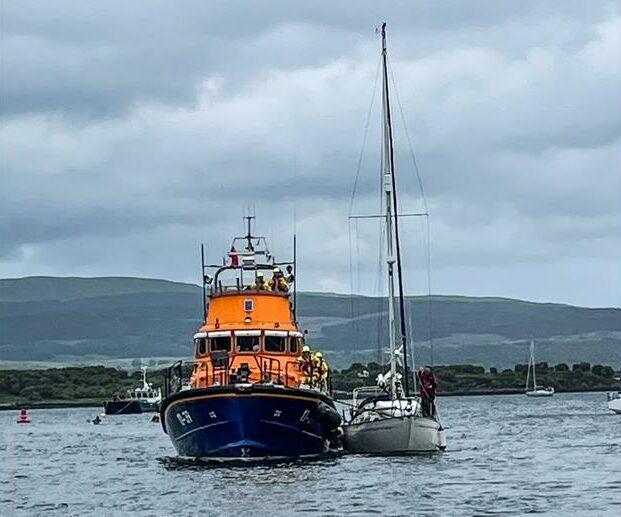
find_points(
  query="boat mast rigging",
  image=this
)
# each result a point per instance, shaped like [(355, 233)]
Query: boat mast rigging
[(531, 364), (391, 205)]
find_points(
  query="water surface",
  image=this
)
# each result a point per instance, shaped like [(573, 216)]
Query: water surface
[(507, 455)]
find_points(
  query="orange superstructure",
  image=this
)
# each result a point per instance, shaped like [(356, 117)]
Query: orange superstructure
[(250, 334)]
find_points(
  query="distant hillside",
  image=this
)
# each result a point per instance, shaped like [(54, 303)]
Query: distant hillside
[(99, 319), (39, 288)]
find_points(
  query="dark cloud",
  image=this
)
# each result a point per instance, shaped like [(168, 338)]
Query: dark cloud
[(140, 131)]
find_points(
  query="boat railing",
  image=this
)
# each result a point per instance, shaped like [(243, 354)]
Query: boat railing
[(218, 372), (235, 279), (364, 392), (173, 378)]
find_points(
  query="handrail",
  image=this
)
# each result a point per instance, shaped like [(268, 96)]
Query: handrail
[(217, 283), (205, 373)]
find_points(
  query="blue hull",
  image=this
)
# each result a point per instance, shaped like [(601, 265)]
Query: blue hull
[(249, 422), (122, 407)]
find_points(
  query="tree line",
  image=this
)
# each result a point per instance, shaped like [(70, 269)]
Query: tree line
[(99, 383), (467, 378)]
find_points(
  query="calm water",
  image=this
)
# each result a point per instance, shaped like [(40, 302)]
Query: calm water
[(508, 455)]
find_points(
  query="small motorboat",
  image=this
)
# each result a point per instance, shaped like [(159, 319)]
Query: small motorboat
[(614, 402), (24, 417), (143, 399)]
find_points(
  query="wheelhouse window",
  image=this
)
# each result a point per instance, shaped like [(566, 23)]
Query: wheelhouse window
[(248, 343), (220, 343), (295, 342), (201, 346), (275, 343)]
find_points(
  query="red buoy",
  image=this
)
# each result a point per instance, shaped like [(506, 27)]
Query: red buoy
[(24, 418)]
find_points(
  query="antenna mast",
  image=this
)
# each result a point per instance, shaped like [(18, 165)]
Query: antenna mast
[(248, 237)]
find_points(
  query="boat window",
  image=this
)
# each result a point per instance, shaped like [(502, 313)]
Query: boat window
[(219, 343), (247, 343), (248, 305), (275, 343), (293, 345), (201, 346)]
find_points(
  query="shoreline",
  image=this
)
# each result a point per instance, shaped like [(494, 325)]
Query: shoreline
[(508, 391), (8, 406), (89, 403)]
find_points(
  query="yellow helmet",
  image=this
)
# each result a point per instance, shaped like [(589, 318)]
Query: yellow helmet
[(260, 274), (319, 354), (306, 348)]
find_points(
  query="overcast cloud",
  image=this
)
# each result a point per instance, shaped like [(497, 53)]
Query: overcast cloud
[(133, 131)]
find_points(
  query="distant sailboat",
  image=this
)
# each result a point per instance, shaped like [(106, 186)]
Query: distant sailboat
[(535, 391), (385, 418)]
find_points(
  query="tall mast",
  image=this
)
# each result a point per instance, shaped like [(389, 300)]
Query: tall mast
[(532, 361), (390, 190), (145, 385)]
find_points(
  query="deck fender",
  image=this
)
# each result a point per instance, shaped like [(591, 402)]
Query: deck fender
[(328, 417)]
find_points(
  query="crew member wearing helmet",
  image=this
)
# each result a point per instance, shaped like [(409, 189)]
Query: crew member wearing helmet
[(305, 364), (320, 372), (277, 282), (260, 283)]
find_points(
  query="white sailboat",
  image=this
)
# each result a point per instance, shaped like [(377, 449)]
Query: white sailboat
[(385, 418), (535, 390)]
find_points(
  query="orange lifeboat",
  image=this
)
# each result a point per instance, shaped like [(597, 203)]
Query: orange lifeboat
[(23, 418), (254, 390)]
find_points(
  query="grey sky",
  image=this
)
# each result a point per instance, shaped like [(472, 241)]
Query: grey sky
[(131, 132)]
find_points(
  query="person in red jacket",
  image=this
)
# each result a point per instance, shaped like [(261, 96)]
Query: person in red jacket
[(428, 383)]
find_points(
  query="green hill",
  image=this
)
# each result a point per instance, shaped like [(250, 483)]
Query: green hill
[(40, 288), (101, 319)]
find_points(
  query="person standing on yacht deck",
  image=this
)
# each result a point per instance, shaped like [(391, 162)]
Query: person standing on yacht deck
[(428, 383)]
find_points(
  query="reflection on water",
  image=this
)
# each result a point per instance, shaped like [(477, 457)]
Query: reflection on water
[(506, 455), (184, 462)]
